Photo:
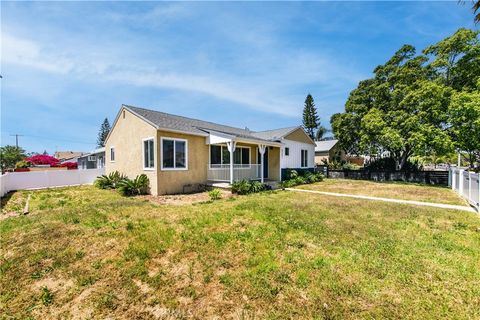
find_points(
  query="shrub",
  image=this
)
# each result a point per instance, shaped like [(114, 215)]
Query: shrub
[(241, 187), (70, 165), (308, 177), (246, 187), (215, 194), (137, 186), (291, 174), (109, 182), (40, 159), (23, 164)]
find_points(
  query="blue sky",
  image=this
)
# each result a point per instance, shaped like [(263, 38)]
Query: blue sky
[(66, 66)]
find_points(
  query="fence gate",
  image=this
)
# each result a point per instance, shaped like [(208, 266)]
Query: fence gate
[(467, 185)]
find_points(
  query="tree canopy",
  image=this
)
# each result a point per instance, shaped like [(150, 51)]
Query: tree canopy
[(416, 104), (9, 156)]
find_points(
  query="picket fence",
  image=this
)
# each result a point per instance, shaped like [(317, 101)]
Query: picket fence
[(46, 179), (467, 185)]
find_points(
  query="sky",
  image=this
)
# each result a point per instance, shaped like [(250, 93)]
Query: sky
[(68, 65)]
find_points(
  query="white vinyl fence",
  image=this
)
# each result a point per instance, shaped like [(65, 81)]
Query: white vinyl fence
[(46, 179), (467, 185)]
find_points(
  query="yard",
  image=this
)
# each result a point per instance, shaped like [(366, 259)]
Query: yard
[(88, 253), (395, 190)]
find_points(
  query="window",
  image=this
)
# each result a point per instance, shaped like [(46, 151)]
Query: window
[(287, 151), (92, 158), (112, 154), (304, 158), (174, 154), (219, 155), (148, 153)]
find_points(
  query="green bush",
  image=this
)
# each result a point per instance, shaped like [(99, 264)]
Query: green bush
[(308, 177), (215, 194), (241, 187), (291, 174), (109, 181), (137, 186), (246, 187), (23, 164)]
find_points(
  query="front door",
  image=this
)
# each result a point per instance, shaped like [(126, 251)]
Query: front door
[(265, 162)]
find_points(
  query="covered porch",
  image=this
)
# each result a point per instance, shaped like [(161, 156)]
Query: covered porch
[(233, 158)]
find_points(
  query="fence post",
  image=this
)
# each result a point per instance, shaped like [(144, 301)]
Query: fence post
[(452, 174), (460, 181), (470, 186)]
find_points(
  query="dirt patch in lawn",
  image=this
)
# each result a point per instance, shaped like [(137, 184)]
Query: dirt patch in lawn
[(184, 199)]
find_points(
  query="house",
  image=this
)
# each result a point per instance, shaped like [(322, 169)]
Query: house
[(68, 156), (328, 151), (175, 151), (92, 160)]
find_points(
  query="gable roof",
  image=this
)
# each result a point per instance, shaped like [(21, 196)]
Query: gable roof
[(325, 145), (64, 155), (275, 134), (171, 122)]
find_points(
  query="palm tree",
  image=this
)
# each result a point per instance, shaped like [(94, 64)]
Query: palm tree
[(476, 10)]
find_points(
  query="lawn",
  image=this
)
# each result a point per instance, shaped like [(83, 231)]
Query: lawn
[(395, 190), (87, 253)]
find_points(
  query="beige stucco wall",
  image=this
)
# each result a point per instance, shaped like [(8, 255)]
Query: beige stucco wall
[(126, 136), (300, 136), (173, 181)]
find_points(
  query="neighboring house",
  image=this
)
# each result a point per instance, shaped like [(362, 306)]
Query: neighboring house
[(68, 156), (328, 151), (92, 160), (175, 151)]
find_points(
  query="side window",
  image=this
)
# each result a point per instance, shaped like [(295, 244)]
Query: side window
[(148, 153), (112, 154), (287, 151), (174, 154)]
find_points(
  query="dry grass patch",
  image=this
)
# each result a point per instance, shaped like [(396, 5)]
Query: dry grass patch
[(88, 253), (394, 190)]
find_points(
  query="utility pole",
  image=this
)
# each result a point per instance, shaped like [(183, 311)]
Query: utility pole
[(16, 138)]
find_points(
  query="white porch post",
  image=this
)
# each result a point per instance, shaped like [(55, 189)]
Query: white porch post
[(231, 148), (261, 149)]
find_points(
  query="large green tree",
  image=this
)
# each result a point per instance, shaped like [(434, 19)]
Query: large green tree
[(9, 156), (398, 112), (464, 112), (311, 120), (103, 133)]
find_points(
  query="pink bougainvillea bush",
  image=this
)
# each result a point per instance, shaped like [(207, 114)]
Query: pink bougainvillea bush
[(70, 165), (43, 159)]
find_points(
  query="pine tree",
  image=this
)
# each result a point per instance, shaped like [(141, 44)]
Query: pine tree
[(311, 120), (103, 133)]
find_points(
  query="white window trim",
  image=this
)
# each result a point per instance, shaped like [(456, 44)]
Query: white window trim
[(285, 151), (221, 159), (92, 158), (112, 147), (306, 158), (143, 154), (161, 154)]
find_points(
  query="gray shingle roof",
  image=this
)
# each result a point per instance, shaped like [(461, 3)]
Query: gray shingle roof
[(164, 120), (326, 145), (275, 134)]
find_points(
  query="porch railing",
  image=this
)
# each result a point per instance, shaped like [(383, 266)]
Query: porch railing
[(221, 172)]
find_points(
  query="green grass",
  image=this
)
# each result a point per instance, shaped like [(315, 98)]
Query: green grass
[(93, 254), (395, 190)]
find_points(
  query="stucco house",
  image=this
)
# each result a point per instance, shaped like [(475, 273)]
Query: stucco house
[(175, 151), (328, 151)]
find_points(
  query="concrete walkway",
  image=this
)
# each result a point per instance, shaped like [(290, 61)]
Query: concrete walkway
[(417, 203)]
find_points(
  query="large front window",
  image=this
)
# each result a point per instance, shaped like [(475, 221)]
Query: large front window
[(219, 155), (174, 154)]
